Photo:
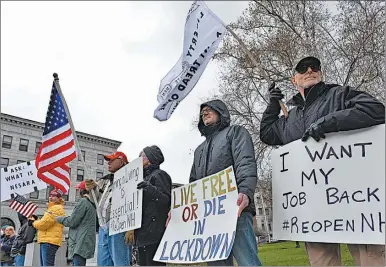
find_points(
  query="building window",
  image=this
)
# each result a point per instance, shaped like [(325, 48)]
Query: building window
[(4, 162), (77, 195), (7, 141), (263, 226), (80, 175), (83, 155), (65, 197), (34, 195), (269, 227), (100, 159), (266, 211), (99, 174), (23, 146), (37, 146), (20, 161), (260, 211), (49, 189)]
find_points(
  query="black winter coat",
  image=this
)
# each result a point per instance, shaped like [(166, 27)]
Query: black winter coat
[(226, 146), (25, 235), (155, 206), (338, 108)]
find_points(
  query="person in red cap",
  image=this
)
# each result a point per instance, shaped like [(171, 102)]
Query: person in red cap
[(82, 224), (50, 232), (112, 250)]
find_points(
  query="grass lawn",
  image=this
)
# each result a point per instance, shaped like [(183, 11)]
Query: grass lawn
[(285, 254)]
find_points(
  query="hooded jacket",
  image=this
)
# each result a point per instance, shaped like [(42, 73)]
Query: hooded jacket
[(25, 235), (226, 146), (337, 108), (82, 224), (50, 231)]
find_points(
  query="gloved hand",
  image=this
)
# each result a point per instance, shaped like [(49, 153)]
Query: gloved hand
[(143, 185), (275, 93), (315, 130)]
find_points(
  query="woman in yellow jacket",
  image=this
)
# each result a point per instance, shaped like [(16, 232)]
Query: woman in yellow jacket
[(50, 233)]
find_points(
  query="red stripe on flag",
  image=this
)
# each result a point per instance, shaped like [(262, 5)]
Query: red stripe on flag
[(56, 138), (58, 163), (57, 151)]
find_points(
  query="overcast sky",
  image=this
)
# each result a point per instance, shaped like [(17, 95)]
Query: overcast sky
[(110, 57)]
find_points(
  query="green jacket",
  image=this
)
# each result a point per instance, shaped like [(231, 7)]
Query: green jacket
[(82, 224)]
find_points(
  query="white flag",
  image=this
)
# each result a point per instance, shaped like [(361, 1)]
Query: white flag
[(203, 33)]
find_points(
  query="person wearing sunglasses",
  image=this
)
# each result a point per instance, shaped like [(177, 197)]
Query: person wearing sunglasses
[(321, 108)]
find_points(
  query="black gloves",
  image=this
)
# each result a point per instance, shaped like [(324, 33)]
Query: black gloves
[(275, 93), (143, 185), (315, 130)]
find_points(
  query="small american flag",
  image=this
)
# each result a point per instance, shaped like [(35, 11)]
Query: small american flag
[(58, 146), (23, 206)]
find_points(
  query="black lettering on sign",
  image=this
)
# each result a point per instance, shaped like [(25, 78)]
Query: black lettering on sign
[(188, 54), (381, 222), (337, 226), (282, 160), (331, 152), (326, 174), (293, 202), (369, 222), (316, 154), (309, 177), (305, 227), (219, 34), (350, 225), (294, 221), (363, 147), (319, 226)]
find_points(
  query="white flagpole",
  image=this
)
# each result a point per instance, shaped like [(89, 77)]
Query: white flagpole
[(56, 81), (262, 71)]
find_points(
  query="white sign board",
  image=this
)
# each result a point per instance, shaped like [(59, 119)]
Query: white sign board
[(332, 190), (126, 207), (20, 178), (203, 221)]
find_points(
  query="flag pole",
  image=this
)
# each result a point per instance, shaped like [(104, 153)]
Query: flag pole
[(56, 81), (262, 71)]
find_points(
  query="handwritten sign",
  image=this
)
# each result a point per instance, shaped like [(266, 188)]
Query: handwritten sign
[(20, 178), (126, 207), (333, 190), (203, 223)]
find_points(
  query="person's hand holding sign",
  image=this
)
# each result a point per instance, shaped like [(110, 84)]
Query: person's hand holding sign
[(242, 202)]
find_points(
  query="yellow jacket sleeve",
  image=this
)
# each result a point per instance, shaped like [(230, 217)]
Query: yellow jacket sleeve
[(49, 218)]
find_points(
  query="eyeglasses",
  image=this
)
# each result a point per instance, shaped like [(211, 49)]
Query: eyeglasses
[(304, 68), (206, 111)]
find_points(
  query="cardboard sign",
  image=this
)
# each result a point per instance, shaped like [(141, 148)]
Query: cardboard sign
[(203, 221), (126, 207), (332, 190), (20, 178)]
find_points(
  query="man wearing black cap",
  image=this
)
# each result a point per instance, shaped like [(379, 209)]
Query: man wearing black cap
[(321, 108), (157, 187)]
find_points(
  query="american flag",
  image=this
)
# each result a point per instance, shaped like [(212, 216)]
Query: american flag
[(23, 206), (58, 146)]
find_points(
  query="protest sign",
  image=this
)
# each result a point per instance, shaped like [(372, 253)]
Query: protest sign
[(203, 33), (332, 190), (126, 207), (20, 178), (203, 221)]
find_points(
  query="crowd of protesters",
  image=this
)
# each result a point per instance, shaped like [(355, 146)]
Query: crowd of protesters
[(319, 108)]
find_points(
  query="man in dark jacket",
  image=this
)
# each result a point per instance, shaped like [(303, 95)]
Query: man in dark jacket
[(224, 146), (322, 108), (25, 235), (82, 224), (157, 187)]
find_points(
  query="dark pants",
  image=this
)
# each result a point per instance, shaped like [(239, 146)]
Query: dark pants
[(146, 255), (78, 260), (47, 254)]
